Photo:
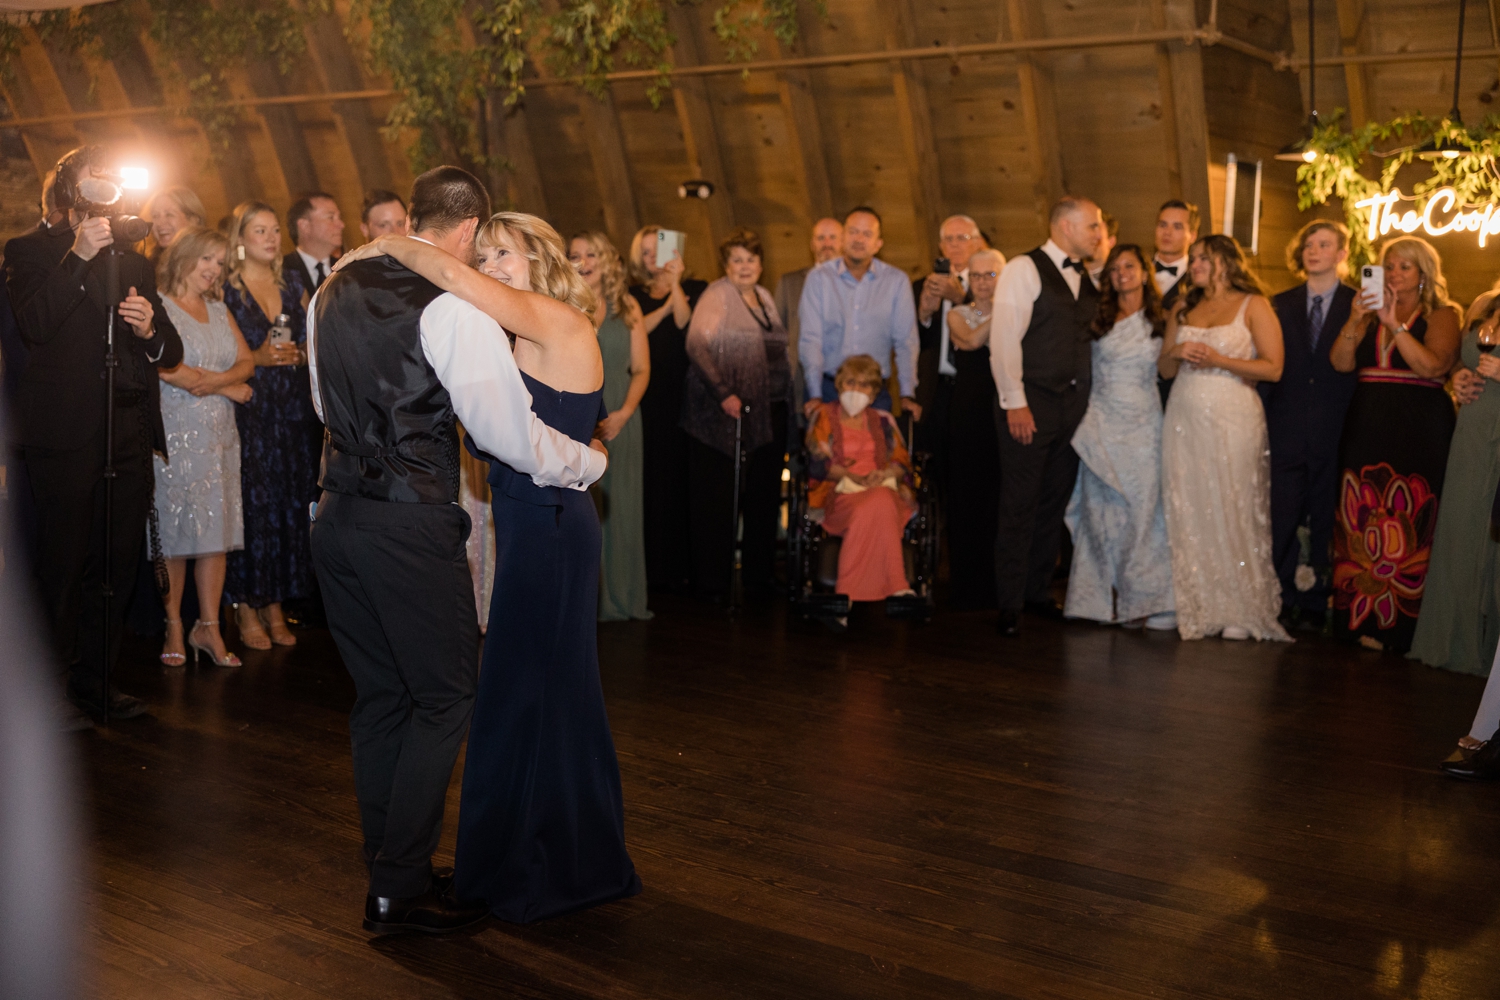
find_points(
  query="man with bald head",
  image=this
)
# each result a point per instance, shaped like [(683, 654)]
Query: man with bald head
[(1040, 356), (827, 243)]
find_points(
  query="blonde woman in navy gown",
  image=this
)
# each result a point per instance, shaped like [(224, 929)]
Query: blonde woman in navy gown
[(541, 827)]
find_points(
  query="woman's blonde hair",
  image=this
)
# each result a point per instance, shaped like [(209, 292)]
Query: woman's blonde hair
[(552, 274), (637, 271), (611, 271), (1433, 293), (860, 368), (187, 202), (179, 259), (234, 265)]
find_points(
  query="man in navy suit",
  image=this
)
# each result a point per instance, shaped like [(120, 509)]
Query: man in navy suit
[(1305, 417)]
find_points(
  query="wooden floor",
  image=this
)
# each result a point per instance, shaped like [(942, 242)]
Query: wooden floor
[(904, 811)]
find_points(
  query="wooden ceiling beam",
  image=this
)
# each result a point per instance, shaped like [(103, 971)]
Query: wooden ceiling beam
[(1351, 14), (601, 125), (696, 119), (339, 72), (805, 132), (1189, 129), (509, 138), (914, 118), (1038, 109)]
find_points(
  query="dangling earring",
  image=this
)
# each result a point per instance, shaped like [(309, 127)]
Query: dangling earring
[(239, 251)]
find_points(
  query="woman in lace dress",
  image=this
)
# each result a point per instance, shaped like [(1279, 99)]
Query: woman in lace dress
[(198, 488), (1122, 568), (1221, 339)]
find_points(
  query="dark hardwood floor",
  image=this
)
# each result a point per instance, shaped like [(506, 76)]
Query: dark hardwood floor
[(902, 811)]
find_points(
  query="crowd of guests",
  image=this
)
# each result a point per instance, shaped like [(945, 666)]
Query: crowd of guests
[(1187, 452)]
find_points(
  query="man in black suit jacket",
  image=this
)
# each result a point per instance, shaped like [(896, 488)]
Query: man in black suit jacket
[(1305, 416), (317, 228), (55, 276), (959, 237)]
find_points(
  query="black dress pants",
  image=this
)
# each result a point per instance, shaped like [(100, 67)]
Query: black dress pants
[(1036, 481), (1304, 487), (400, 603), (711, 508), (67, 486)]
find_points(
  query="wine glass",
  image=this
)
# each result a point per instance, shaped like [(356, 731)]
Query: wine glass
[(1489, 333)]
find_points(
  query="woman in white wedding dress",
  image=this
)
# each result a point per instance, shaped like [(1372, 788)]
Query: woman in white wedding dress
[(1222, 338)]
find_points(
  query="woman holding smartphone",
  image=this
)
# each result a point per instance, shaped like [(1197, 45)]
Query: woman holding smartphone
[(1394, 451)]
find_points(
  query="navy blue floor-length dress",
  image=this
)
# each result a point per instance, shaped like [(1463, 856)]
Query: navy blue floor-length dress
[(541, 827)]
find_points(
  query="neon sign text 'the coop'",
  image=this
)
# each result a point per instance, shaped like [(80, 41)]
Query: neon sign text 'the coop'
[(1443, 214)]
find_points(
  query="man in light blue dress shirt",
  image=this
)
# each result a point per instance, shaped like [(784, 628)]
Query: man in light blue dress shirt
[(858, 304)]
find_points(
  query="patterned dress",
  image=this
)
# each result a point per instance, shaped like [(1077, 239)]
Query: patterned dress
[(281, 443), (198, 489), (1393, 457)]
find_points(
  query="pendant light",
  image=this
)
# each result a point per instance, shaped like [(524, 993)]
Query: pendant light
[(1301, 150), (1449, 148)]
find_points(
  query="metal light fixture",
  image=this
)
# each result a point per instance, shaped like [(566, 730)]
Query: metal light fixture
[(695, 189), (1448, 148), (1301, 150)]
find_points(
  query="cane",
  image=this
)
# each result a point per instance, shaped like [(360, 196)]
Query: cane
[(111, 362), (734, 562)]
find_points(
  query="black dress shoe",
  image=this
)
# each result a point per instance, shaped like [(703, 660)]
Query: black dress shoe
[(121, 705), (442, 880), (430, 913), (1008, 624), (1483, 764), (1047, 609)]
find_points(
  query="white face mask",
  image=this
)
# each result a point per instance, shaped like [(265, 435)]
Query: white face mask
[(854, 401)]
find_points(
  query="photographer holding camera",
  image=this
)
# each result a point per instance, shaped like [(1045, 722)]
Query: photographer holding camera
[(62, 285)]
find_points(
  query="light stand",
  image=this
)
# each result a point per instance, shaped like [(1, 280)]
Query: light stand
[(1301, 150), (111, 362)]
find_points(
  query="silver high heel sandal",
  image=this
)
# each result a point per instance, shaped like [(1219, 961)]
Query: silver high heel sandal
[(173, 659), (229, 660)]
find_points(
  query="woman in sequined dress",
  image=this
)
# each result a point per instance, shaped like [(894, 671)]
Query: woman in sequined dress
[(281, 439), (198, 489)]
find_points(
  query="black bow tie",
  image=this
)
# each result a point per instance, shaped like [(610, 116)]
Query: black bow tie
[(1076, 265), (1169, 268)]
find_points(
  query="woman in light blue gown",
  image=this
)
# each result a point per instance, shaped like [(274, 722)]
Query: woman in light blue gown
[(1122, 568)]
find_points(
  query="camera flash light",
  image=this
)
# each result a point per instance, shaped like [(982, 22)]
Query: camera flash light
[(135, 178)]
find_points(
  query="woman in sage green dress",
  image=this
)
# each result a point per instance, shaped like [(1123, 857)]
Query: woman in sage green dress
[(1460, 621), (619, 495)]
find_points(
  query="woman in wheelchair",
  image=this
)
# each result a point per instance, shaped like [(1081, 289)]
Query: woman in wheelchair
[(860, 475)]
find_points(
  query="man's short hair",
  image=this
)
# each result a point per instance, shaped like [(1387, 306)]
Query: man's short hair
[(1295, 249), (1067, 206), (376, 198), (867, 210), (302, 208), (1186, 206), (1111, 224), (443, 198)]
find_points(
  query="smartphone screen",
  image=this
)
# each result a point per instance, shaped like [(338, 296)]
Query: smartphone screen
[(668, 243), (942, 265), (1372, 285)]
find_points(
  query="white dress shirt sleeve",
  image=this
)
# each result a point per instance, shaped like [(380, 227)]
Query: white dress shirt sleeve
[(473, 360), (312, 357), (1015, 293)]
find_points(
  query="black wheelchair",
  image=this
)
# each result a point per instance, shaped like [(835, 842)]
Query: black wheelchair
[(813, 554)]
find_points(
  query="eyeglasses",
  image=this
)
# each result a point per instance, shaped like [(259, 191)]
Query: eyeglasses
[(985, 274), (958, 238)]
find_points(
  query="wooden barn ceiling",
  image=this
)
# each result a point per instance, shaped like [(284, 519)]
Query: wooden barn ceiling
[(1024, 100)]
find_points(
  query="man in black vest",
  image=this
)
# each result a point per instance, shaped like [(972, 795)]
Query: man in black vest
[(1305, 416), (393, 360), (1040, 356), (56, 277)]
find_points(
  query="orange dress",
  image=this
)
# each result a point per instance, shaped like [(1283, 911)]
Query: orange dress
[(871, 567)]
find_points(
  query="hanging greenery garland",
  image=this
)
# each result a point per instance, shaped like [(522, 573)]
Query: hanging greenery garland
[(1461, 158)]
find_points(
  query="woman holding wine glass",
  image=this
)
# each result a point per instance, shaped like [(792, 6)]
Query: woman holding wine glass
[(1460, 621)]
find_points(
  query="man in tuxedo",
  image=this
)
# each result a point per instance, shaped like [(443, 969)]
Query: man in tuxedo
[(1040, 357), (317, 228), (938, 292), (383, 214), (393, 360), (1305, 416), (827, 243), (1176, 230), (58, 281)]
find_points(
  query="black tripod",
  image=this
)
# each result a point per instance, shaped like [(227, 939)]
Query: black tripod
[(111, 362)]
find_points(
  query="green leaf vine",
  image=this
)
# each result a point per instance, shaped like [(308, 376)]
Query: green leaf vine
[(1337, 168)]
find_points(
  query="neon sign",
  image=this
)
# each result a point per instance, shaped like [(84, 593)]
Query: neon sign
[(1443, 214)]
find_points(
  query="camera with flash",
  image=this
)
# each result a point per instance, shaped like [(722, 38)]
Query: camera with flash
[(109, 192)]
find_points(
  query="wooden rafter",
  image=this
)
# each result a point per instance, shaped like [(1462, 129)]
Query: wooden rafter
[(611, 168), (1038, 109), (1183, 92), (914, 117), (339, 72), (1351, 30), (696, 119), (805, 132), (510, 138)]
